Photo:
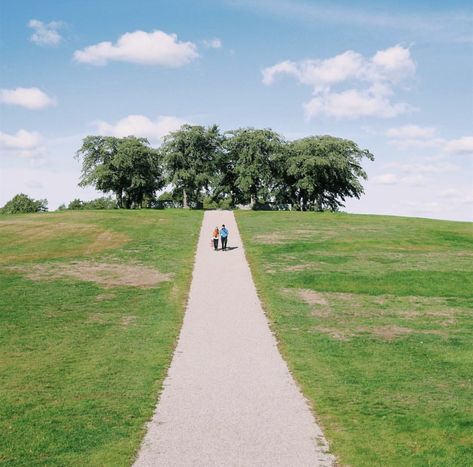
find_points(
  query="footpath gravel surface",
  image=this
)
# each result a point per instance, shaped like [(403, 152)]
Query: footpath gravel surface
[(229, 399)]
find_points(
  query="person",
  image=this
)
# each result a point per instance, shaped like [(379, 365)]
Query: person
[(215, 238), (224, 237)]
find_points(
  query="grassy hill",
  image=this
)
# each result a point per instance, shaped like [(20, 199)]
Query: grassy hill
[(90, 307), (374, 316)]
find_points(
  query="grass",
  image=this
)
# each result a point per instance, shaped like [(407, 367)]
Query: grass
[(82, 363), (374, 316)]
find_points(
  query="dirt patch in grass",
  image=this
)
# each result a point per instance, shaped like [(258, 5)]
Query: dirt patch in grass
[(105, 274), (298, 267), (338, 334), (390, 333), (311, 297), (272, 238), (96, 318), (128, 321), (104, 297)]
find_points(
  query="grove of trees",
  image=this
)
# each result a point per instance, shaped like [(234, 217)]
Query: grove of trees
[(247, 166)]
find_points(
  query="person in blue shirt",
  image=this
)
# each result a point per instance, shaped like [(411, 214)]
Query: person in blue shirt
[(224, 237)]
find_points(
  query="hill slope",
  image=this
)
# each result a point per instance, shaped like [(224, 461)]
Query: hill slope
[(90, 306), (374, 316)]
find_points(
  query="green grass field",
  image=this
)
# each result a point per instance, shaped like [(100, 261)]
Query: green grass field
[(374, 316), (91, 304)]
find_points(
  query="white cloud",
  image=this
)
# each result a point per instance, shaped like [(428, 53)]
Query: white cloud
[(141, 126), (462, 145), (414, 180), (395, 63), (31, 98), (410, 132), (369, 82), (45, 33), (212, 43), (458, 196), (153, 48), (385, 179), (23, 143), (413, 136), (353, 104), (424, 167)]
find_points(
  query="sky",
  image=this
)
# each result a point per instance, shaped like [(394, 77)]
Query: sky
[(396, 77)]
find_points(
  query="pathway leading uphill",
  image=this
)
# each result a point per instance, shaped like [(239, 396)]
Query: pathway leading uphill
[(229, 399)]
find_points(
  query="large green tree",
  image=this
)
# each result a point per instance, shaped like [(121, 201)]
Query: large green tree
[(322, 171), (190, 157), (127, 167), (254, 154)]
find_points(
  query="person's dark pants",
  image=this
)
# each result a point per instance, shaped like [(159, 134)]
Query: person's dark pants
[(224, 243), (215, 243)]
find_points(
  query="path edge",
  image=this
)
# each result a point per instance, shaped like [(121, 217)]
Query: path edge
[(160, 390), (326, 445)]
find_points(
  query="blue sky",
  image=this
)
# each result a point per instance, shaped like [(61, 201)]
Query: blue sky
[(396, 77)]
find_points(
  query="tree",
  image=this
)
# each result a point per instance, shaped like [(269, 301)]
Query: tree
[(190, 155), (128, 167), (105, 202), (324, 171), (22, 203), (253, 153), (76, 205)]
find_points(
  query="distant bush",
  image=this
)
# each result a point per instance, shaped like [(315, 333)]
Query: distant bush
[(210, 203), (76, 204), (22, 203), (167, 200), (106, 202)]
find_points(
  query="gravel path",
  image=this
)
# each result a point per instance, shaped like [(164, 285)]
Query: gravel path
[(229, 399)]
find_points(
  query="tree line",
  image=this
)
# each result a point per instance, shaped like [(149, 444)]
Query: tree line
[(247, 166), (200, 166)]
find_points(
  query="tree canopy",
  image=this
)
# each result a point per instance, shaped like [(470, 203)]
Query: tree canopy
[(22, 203), (246, 166), (254, 154), (127, 167), (190, 158), (324, 171)]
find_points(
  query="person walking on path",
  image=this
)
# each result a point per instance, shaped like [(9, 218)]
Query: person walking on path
[(215, 238), (224, 237), (229, 399)]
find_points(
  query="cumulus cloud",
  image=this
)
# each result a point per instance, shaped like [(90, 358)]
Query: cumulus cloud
[(30, 98), (369, 82), (141, 126), (146, 48), (462, 145), (212, 43), (413, 136), (354, 104), (45, 33), (23, 143)]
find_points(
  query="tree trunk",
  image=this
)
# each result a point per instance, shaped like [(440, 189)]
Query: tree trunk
[(252, 201), (184, 199), (119, 199)]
